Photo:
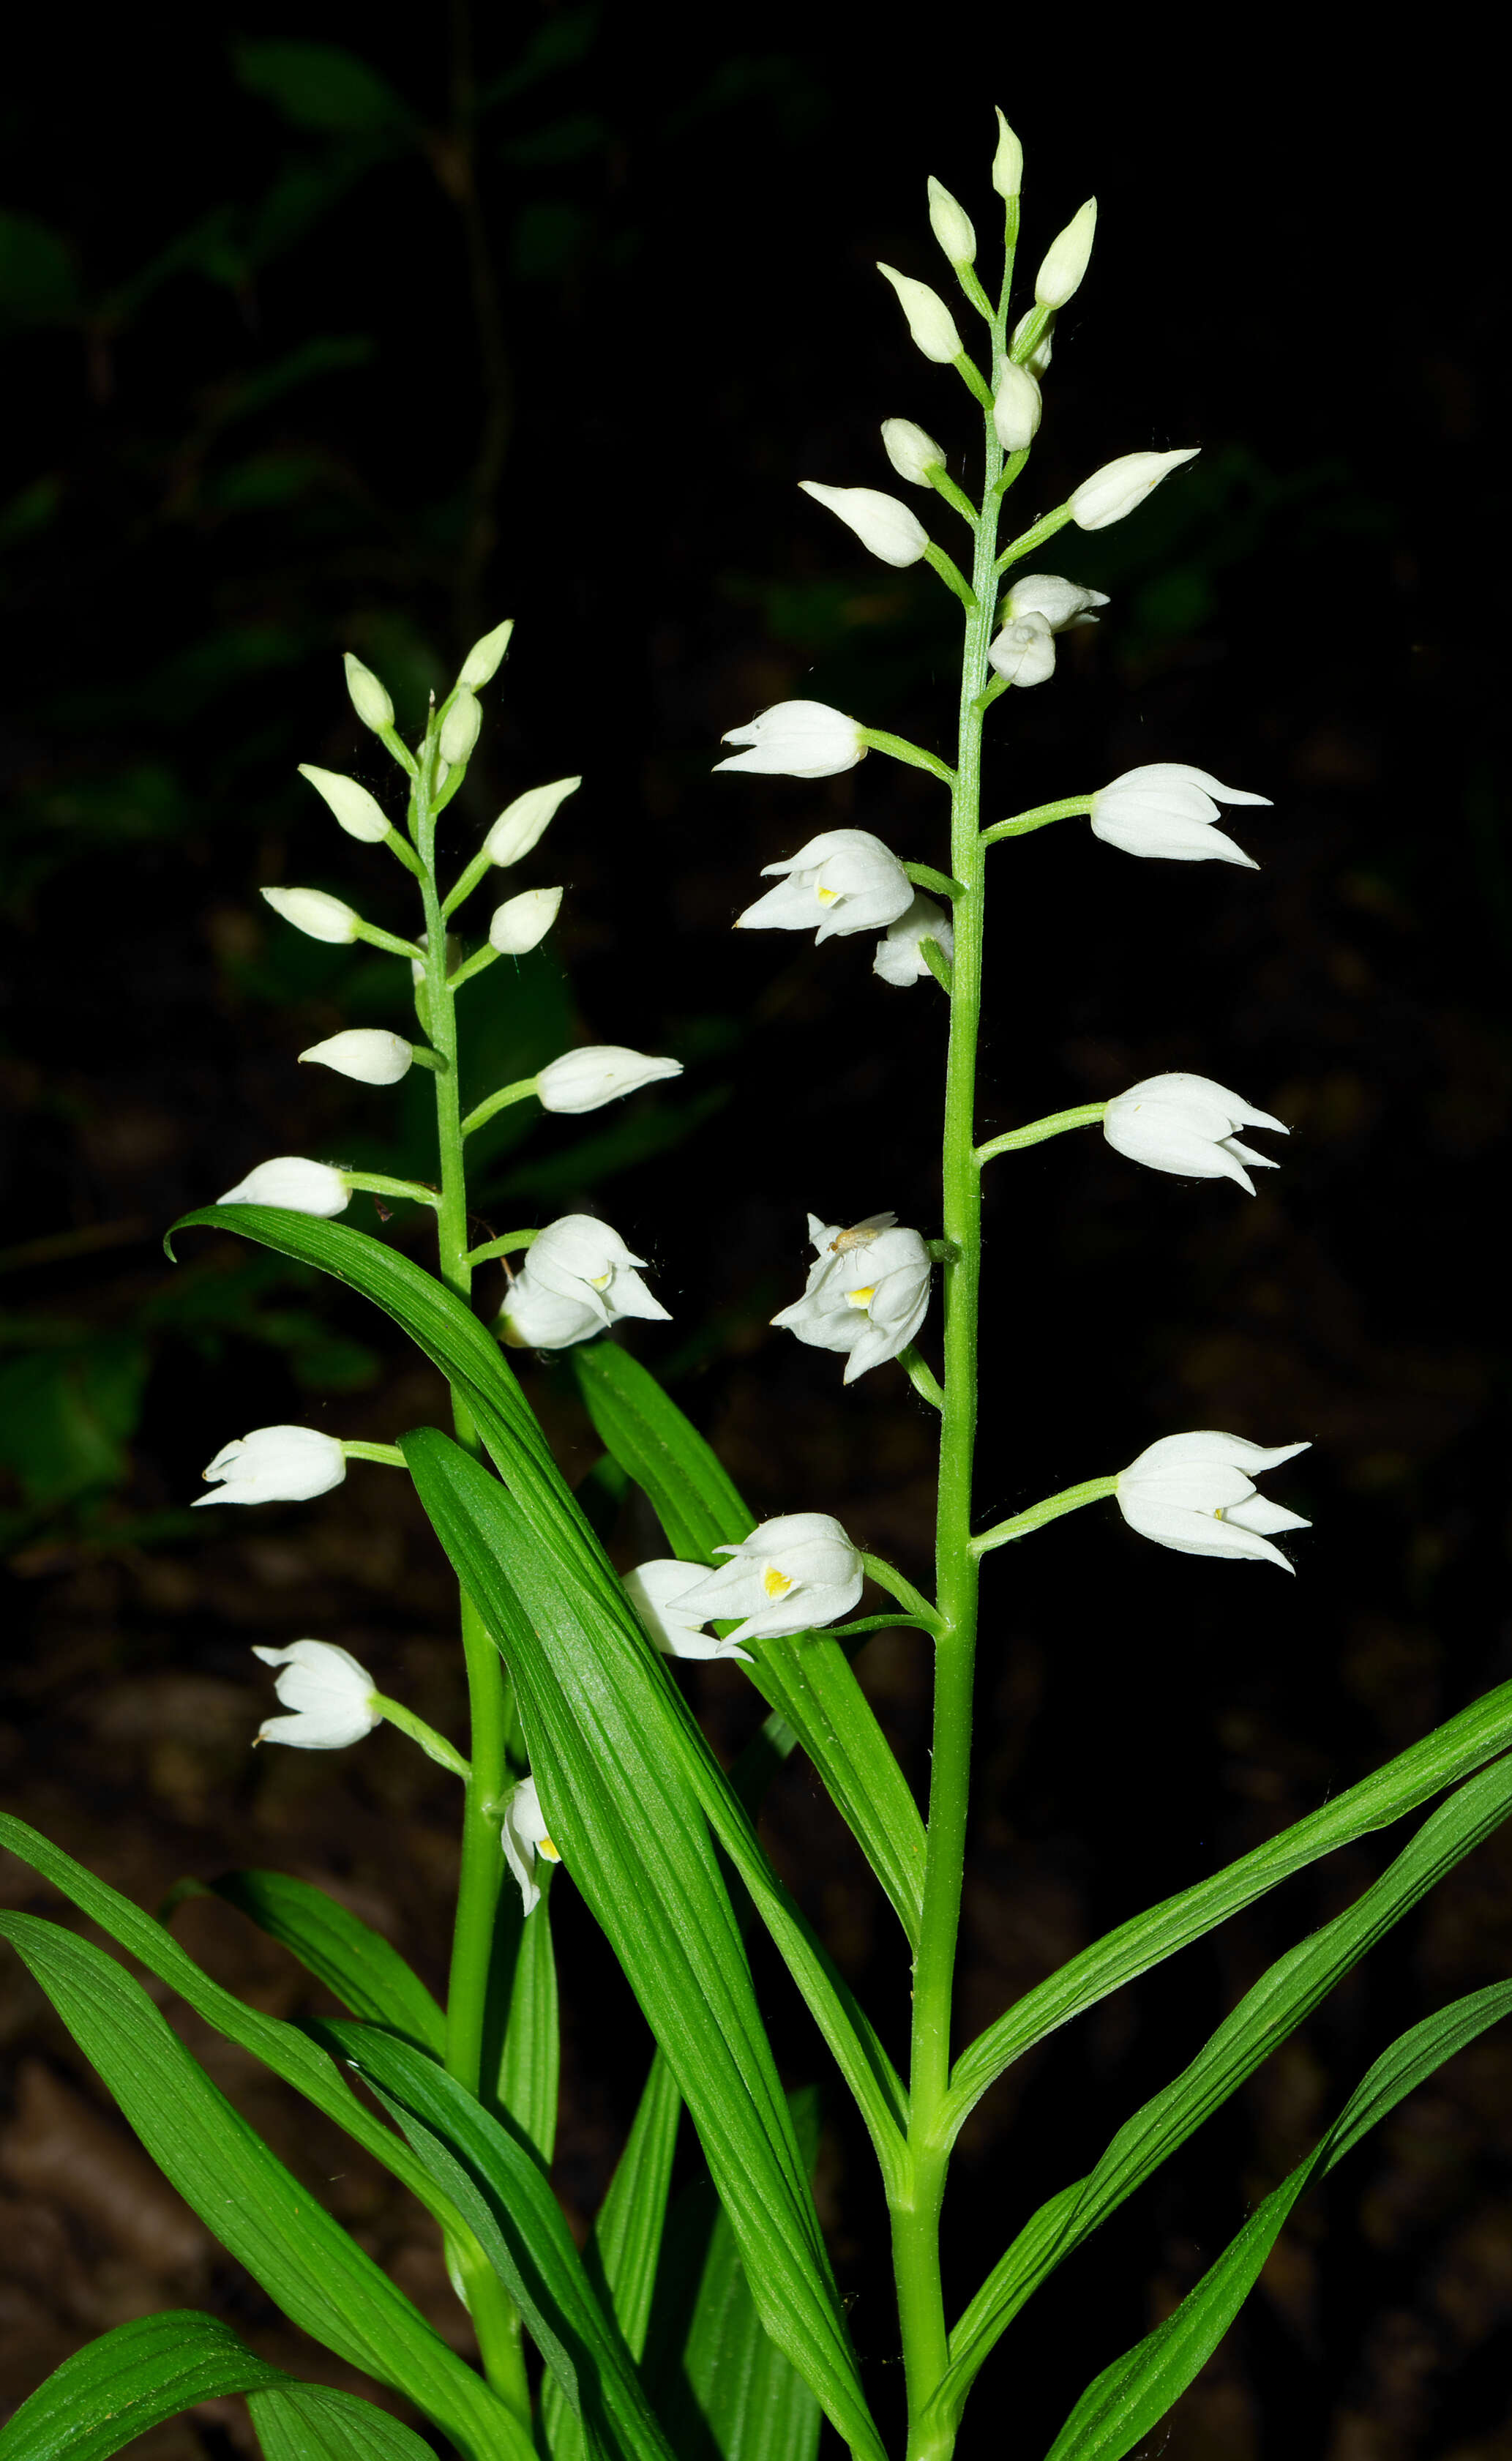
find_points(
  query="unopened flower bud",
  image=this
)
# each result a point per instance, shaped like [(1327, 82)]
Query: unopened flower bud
[(1039, 358), (354, 809), (894, 534), (913, 453), (525, 820), (296, 1184), (1066, 261), (1007, 162), (581, 1080), (929, 320), (951, 225), (368, 1053), (1120, 487), (1016, 408), (460, 729), (485, 657), (368, 699), (521, 921), (311, 912)]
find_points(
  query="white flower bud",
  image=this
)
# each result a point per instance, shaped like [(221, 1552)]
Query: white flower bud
[(460, 729), (332, 1697), (484, 659), (1039, 358), (900, 957), (1007, 162), (911, 451), (796, 738), (368, 699), (951, 225), (929, 320), (1168, 810), (275, 1466), (894, 534), (1063, 604), (521, 921), (1016, 408), (526, 819), (298, 1186), (1024, 653), (1066, 258), (1120, 487), (311, 912), (369, 1052), (354, 809), (581, 1081)]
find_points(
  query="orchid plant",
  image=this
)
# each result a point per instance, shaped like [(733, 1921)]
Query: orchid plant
[(581, 1752)]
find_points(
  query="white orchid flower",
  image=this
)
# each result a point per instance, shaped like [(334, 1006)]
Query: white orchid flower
[(1168, 810), (1066, 258), (1065, 605), (581, 1080), (275, 1466), (332, 1699), (1024, 652), (791, 1573), (1017, 407), (930, 322), (898, 958), (1192, 1492), (354, 809), (1187, 1124), (656, 1591), (369, 1052), (522, 922), (523, 1836), (889, 530), (311, 912), (299, 1186), (866, 1293), (578, 1279), (1119, 487), (912, 450), (844, 880), (522, 822), (796, 738)]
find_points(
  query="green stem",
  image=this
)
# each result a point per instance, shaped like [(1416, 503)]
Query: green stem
[(1054, 1124), (897, 1586), (463, 888), (951, 573), (945, 486), (518, 1092), (390, 1454), (502, 1247), (1029, 539), (923, 875), (1071, 1499), (877, 739), (919, 1371), (375, 1183), (1069, 808), (434, 1747)]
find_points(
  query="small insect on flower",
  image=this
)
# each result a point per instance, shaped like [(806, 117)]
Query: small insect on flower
[(859, 1232)]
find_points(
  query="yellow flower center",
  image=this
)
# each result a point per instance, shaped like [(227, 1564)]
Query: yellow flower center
[(862, 1299), (547, 1848), (601, 1281), (825, 896), (775, 1584)]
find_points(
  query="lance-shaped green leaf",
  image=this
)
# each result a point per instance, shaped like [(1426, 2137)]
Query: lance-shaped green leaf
[(1287, 1993), (256, 2207), (1132, 2395), (805, 1676), (522, 2018), (298, 2422), (612, 1749), (130, 2379), (364, 1970), (1450, 1753)]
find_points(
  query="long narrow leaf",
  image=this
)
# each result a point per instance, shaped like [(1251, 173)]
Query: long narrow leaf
[(298, 2422), (608, 1736), (364, 1970), (1133, 2394), (1287, 1993), (530, 2058), (805, 1677), (1451, 1752), (243, 2192), (128, 2380)]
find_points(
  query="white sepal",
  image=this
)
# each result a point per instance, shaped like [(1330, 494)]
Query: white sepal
[(1187, 1124), (866, 1294), (460, 728), (1170, 810), (929, 320), (355, 810), (1194, 1492), (796, 738), (368, 699), (898, 959), (298, 1186), (656, 1590), (951, 225), (843, 881), (792, 1573), (1024, 653), (526, 819), (581, 1081), (1064, 605), (275, 1466), (330, 1696), (578, 1279), (523, 1836), (485, 657), (912, 450), (369, 1052), (1017, 407), (1007, 162), (311, 912), (521, 921), (1120, 487), (892, 533), (1066, 258)]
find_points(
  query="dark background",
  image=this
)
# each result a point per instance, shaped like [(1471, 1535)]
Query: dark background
[(367, 346)]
